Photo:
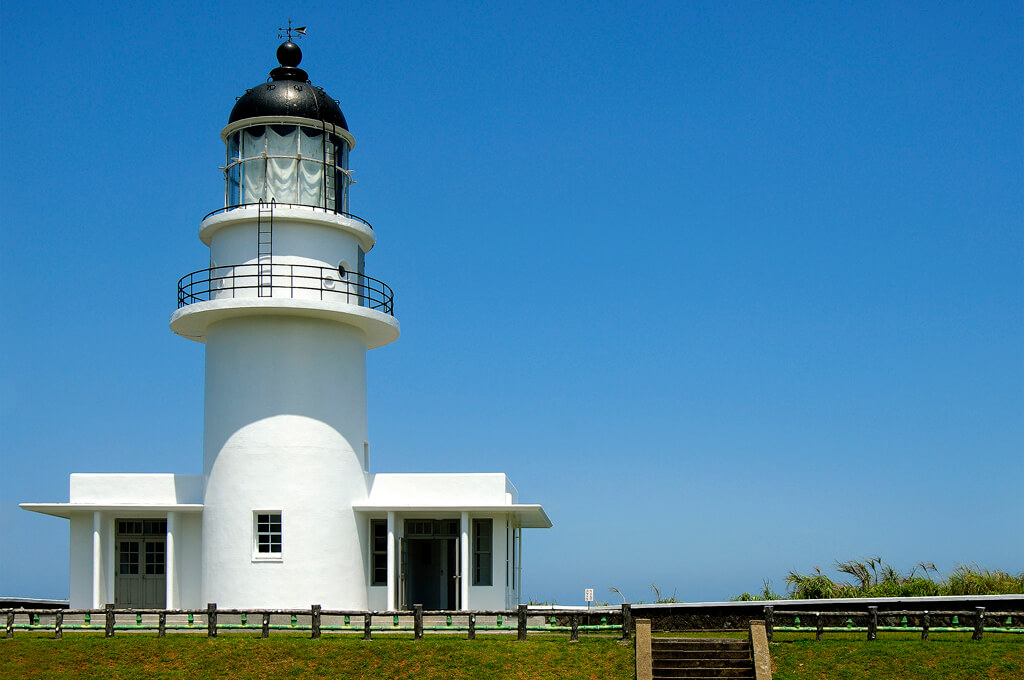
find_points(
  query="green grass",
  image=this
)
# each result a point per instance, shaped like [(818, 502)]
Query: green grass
[(295, 656), (795, 656), (848, 656)]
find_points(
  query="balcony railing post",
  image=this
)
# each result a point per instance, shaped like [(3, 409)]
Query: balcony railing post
[(872, 622), (521, 627), (925, 625), (108, 622), (769, 621), (627, 620), (472, 626), (979, 623), (367, 618), (58, 624)]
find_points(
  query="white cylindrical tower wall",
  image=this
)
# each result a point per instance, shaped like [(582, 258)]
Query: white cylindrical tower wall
[(284, 430)]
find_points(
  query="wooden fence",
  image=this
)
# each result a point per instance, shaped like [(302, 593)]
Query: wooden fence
[(318, 621), (872, 622)]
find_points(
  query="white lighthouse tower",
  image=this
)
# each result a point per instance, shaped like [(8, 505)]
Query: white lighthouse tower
[(286, 512), (287, 314)]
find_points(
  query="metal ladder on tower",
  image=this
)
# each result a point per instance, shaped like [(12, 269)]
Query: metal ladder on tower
[(265, 249)]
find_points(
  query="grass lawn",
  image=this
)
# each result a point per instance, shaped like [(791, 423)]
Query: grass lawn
[(84, 655), (848, 656), (795, 656)]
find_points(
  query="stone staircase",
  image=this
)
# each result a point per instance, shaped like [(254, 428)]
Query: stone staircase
[(701, 658)]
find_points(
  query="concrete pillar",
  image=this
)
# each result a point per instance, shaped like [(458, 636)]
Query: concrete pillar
[(392, 561), (170, 567), (97, 560), (465, 568), (644, 660)]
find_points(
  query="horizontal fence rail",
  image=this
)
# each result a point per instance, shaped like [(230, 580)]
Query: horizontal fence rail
[(872, 621), (294, 281), (317, 621), (275, 204)]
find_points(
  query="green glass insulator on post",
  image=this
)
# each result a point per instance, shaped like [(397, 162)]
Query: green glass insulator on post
[(138, 619), (448, 620), (88, 618), (956, 620), (244, 620), (499, 619), (191, 618), (348, 620), (295, 620), (796, 621), (849, 622), (394, 620)]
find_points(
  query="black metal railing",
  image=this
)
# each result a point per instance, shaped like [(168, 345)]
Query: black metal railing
[(276, 204), (295, 281)]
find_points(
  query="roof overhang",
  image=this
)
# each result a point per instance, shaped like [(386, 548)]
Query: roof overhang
[(67, 510), (528, 516)]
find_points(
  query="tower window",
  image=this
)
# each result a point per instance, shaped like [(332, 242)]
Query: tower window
[(483, 533), (267, 538)]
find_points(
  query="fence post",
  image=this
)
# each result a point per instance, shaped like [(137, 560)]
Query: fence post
[(979, 623), (108, 624), (819, 631), (211, 619), (9, 628), (627, 620), (161, 624), (315, 624), (58, 624), (265, 632), (367, 617), (872, 622), (574, 628), (522, 622), (417, 622), (472, 626), (769, 621)]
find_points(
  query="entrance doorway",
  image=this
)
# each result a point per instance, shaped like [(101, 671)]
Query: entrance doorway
[(140, 570), (430, 564)]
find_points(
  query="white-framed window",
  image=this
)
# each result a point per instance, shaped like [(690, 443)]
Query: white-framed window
[(483, 534), (378, 552), (266, 535)]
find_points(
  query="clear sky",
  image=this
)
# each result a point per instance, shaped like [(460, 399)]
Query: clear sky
[(732, 288)]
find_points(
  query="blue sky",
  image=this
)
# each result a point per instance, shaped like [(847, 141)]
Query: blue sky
[(730, 288)]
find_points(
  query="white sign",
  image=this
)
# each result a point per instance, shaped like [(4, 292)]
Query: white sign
[(588, 595)]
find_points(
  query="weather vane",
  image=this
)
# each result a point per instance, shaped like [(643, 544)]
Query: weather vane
[(290, 32)]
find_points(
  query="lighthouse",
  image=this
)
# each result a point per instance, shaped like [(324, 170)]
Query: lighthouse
[(287, 512), (287, 314)]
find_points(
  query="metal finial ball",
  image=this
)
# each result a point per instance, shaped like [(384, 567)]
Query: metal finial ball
[(289, 54)]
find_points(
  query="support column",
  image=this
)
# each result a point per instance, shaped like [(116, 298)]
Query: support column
[(465, 567), (170, 568), (97, 560), (392, 569)]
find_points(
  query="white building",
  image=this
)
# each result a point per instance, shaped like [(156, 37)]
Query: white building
[(286, 512)]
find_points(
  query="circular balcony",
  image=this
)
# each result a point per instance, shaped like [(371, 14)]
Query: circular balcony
[(216, 293), (295, 281), (275, 204)]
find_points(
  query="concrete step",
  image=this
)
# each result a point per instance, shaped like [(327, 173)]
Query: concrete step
[(701, 659)]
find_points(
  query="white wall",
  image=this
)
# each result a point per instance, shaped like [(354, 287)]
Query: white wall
[(439, 489), (80, 567), (284, 431), (188, 560), (142, 489), (494, 595)]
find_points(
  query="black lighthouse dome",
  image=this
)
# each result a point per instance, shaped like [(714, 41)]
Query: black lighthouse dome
[(288, 93)]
